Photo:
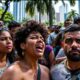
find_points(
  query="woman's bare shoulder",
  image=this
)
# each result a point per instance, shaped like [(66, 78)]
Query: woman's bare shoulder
[(44, 68), (45, 74), (15, 66), (11, 72)]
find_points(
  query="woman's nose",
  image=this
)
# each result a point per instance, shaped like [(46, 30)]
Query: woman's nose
[(9, 40)]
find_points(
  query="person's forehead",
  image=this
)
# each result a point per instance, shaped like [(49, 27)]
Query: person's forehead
[(35, 33), (4, 33), (75, 34)]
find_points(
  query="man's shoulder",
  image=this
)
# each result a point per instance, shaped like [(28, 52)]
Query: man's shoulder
[(58, 67), (59, 72)]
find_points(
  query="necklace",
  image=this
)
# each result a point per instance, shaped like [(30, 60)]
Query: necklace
[(4, 68)]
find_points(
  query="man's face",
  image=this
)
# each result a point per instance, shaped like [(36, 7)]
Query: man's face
[(71, 45), (67, 23), (13, 30)]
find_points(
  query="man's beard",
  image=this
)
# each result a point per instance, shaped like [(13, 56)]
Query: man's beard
[(73, 56)]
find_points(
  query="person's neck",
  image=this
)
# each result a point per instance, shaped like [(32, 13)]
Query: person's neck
[(3, 60), (3, 57), (72, 65), (31, 62)]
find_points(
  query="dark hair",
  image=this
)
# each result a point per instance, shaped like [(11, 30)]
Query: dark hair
[(3, 28), (24, 31), (67, 22), (13, 24), (71, 28), (77, 19), (58, 39), (10, 56)]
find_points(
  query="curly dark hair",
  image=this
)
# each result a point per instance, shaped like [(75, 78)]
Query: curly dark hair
[(24, 32)]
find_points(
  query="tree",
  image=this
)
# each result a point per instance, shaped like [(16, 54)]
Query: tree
[(72, 2), (6, 2), (7, 17), (42, 6), (33, 5), (50, 11), (72, 14)]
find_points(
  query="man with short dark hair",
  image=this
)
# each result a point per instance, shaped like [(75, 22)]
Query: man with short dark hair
[(77, 20), (13, 27), (69, 69)]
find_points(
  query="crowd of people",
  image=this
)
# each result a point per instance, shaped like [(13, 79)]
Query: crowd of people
[(31, 51)]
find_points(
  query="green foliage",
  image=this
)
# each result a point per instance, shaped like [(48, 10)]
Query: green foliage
[(72, 2), (71, 14), (41, 6), (24, 20), (30, 8), (61, 24), (33, 5), (8, 16), (46, 23)]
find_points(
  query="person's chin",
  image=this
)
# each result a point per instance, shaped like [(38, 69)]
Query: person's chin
[(39, 54)]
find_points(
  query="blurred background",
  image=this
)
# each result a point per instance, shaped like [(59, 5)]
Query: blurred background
[(47, 11)]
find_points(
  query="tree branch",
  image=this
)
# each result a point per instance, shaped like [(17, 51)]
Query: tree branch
[(7, 6)]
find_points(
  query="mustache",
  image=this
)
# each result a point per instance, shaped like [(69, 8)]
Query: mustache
[(74, 49)]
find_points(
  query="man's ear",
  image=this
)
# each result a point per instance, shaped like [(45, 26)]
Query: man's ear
[(22, 45)]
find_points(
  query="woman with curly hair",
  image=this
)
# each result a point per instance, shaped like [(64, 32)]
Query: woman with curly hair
[(30, 45)]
